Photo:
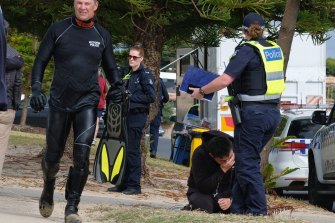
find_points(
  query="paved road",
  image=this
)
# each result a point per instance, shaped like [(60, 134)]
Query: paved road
[(19, 205), (164, 148)]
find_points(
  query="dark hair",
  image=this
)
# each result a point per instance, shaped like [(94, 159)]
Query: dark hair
[(219, 146), (139, 48)]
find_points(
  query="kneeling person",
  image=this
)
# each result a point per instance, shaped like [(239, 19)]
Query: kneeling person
[(211, 176)]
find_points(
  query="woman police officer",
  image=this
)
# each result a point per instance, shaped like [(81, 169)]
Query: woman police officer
[(256, 80)]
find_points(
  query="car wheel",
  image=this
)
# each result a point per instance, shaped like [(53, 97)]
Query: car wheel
[(313, 187), (279, 191)]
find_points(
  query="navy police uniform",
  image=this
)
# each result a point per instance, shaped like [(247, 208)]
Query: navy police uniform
[(163, 97), (259, 121), (142, 94)]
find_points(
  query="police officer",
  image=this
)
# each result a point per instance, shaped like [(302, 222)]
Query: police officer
[(139, 83), (256, 79), (78, 45), (163, 97)]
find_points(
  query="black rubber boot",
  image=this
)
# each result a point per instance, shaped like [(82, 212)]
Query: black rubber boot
[(74, 187), (46, 203)]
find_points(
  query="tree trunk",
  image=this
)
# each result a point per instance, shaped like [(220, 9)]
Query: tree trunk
[(23, 119), (26, 87), (285, 39), (152, 38), (287, 28)]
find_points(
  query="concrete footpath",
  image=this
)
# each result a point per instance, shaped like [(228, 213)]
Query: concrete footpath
[(19, 205)]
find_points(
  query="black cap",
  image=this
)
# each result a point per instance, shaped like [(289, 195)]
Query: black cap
[(253, 18)]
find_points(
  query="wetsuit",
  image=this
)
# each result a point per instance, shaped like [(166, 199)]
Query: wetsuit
[(74, 96)]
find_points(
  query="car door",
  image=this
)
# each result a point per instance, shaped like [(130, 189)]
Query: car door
[(327, 145)]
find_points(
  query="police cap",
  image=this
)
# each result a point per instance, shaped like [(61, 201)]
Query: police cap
[(253, 18)]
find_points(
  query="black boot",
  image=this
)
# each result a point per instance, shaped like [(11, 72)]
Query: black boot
[(74, 187), (46, 203)]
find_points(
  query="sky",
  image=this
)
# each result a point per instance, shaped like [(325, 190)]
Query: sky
[(330, 45)]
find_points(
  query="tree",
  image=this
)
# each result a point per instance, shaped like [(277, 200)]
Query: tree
[(330, 66), (287, 28)]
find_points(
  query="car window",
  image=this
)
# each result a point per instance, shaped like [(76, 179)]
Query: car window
[(303, 128), (281, 126), (332, 115)]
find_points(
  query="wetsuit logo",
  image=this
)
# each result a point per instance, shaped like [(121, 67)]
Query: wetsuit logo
[(94, 43), (272, 54)]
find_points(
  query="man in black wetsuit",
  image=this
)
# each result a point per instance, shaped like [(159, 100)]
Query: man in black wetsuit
[(78, 45)]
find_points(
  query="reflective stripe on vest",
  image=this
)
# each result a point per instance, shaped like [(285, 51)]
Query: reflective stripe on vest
[(273, 60)]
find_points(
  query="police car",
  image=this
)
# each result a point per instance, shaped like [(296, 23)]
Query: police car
[(321, 161), (298, 124)]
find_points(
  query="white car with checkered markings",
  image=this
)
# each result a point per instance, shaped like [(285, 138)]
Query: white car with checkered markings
[(296, 123), (321, 161)]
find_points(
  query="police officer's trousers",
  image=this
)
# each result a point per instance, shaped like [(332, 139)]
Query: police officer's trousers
[(135, 124), (154, 133), (258, 125)]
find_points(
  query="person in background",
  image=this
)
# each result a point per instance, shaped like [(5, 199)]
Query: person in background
[(102, 102), (139, 82), (163, 97), (13, 77), (78, 45), (211, 176), (3, 49), (255, 76)]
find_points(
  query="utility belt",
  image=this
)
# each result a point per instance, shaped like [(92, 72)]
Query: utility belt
[(236, 105), (139, 110), (253, 103)]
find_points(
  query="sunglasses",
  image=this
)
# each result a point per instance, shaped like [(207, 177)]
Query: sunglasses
[(133, 57)]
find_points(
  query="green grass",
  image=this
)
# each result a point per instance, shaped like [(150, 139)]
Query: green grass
[(166, 165), (144, 214), (24, 138)]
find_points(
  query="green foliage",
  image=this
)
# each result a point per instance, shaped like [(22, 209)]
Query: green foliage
[(330, 66), (268, 171), (167, 112), (24, 44), (269, 176)]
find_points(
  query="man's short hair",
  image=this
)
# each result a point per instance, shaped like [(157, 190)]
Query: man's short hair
[(219, 146)]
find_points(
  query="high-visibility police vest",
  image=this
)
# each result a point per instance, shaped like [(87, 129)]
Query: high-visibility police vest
[(273, 60)]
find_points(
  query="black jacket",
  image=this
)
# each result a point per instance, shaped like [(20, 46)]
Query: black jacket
[(3, 95), (13, 75), (77, 53), (141, 88), (206, 175)]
